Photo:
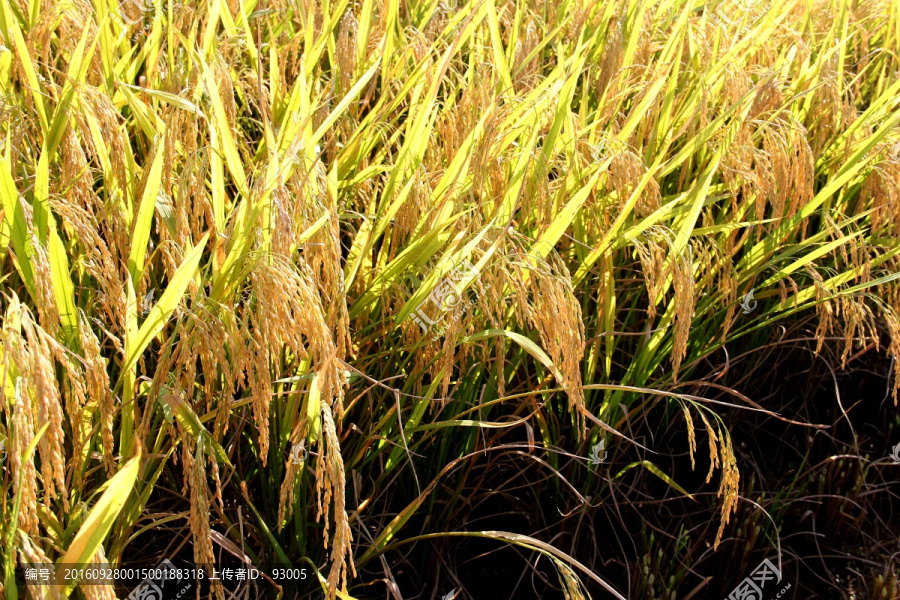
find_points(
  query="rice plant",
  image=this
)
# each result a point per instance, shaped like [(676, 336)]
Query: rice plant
[(320, 283)]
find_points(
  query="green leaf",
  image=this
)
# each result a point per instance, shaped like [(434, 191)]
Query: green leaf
[(168, 98), (529, 346), (656, 471), (15, 220), (77, 71), (11, 27), (191, 422), (41, 196)]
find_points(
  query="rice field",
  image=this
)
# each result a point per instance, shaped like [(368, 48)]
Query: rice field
[(450, 298)]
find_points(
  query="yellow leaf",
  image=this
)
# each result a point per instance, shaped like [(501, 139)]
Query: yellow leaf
[(101, 518), (142, 224), (164, 308)]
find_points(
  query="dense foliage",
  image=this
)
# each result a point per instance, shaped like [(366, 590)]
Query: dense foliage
[(374, 273)]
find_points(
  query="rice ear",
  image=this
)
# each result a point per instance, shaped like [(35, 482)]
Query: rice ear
[(332, 486), (683, 284), (97, 383), (195, 470), (729, 486), (24, 471), (31, 554)]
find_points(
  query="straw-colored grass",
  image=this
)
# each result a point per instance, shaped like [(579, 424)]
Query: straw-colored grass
[(219, 220)]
